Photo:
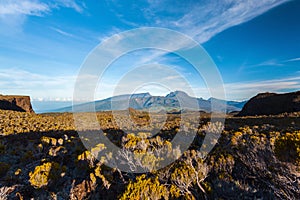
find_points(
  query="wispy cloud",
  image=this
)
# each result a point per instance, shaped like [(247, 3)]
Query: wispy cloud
[(36, 7), (79, 7), (19, 81), (13, 13), (62, 32), (25, 7), (199, 19), (206, 21), (245, 90), (266, 63), (293, 60)]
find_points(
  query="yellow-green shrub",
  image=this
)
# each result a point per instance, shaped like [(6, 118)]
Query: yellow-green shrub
[(287, 147), (145, 188), (42, 174), (183, 175), (98, 174)]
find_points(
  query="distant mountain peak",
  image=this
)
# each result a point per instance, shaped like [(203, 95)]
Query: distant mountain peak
[(177, 93), (141, 95)]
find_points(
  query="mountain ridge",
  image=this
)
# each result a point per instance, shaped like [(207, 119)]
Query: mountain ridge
[(177, 100)]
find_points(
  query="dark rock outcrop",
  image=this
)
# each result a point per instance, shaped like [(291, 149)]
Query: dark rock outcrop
[(16, 103), (272, 104)]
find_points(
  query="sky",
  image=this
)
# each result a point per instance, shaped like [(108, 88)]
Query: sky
[(255, 45)]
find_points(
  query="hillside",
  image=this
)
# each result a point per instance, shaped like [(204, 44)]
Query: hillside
[(272, 104), (42, 157)]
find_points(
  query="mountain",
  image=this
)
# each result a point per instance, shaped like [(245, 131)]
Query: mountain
[(272, 104), (48, 105), (16, 103), (177, 100)]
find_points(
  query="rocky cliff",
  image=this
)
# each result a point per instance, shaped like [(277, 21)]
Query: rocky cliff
[(15, 103), (272, 104)]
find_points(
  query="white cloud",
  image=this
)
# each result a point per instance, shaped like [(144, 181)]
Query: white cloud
[(245, 90), (79, 7), (36, 7), (25, 7), (13, 13), (199, 19), (206, 20), (266, 63), (18, 81), (293, 60), (62, 32)]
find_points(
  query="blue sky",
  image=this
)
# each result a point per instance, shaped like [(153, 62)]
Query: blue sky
[(255, 44)]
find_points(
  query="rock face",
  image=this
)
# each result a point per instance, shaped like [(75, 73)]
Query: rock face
[(16, 103), (272, 104)]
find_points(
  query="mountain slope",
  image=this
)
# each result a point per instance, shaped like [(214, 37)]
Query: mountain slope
[(175, 100)]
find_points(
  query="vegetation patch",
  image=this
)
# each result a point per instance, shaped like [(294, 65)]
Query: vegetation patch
[(287, 147), (43, 174)]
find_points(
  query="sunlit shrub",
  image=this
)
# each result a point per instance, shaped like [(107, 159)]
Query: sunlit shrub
[(235, 137), (98, 174), (287, 147), (42, 174), (145, 188)]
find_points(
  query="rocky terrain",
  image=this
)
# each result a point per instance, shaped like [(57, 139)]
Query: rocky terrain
[(272, 104), (15, 103), (43, 157)]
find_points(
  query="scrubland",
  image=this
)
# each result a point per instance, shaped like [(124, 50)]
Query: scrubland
[(43, 157)]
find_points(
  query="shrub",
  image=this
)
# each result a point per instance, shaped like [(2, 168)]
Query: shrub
[(49, 140), (235, 137), (145, 188), (287, 147), (98, 174), (44, 173)]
